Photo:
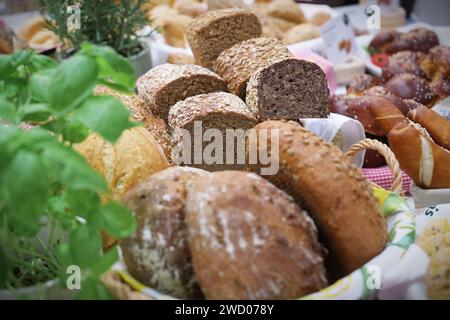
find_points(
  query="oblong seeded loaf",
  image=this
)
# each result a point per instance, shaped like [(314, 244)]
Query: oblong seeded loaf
[(237, 64), (196, 115), (333, 191), (289, 89), (250, 240), (213, 32), (166, 84), (157, 254)]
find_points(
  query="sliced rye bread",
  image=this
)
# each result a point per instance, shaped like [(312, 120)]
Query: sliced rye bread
[(165, 85), (213, 32), (237, 64), (289, 89), (218, 110)]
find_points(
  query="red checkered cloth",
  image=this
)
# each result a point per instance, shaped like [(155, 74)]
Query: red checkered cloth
[(382, 176)]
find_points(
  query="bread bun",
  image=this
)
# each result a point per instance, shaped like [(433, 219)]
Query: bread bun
[(409, 86), (249, 240), (157, 254), (404, 62), (302, 32), (334, 192), (320, 18), (286, 10)]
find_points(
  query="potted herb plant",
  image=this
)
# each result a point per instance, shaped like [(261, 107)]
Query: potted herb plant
[(114, 23), (51, 216)]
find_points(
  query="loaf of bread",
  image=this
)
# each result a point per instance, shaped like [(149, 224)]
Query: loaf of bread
[(404, 62), (273, 27), (166, 84), (134, 157), (180, 58), (174, 30), (301, 32), (213, 32), (190, 8), (237, 64), (250, 240), (426, 162), (225, 4), (409, 86), (219, 111), (157, 254), (437, 127), (140, 113), (289, 89), (320, 18), (334, 192), (418, 39), (286, 10)]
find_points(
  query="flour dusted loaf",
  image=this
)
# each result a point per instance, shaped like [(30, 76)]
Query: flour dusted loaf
[(165, 85), (213, 32), (237, 64), (157, 254), (333, 191), (250, 240), (218, 110), (289, 89)]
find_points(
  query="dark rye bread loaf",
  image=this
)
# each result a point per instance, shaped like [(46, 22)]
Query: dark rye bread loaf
[(157, 254), (289, 89), (166, 84), (218, 110), (213, 32), (250, 240), (333, 191), (237, 64)]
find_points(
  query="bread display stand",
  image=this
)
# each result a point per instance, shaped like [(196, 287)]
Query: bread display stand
[(363, 283)]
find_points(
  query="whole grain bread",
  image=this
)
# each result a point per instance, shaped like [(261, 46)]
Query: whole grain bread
[(250, 240), (237, 64), (333, 191), (219, 111), (213, 32), (166, 84), (157, 254), (289, 89)]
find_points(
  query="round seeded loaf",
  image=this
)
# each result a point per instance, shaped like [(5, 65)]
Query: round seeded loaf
[(334, 192), (166, 84), (218, 110), (157, 254), (237, 64), (250, 240), (289, 89), (213, 32)]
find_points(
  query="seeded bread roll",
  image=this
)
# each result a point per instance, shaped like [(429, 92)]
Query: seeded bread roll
[(250, 240), (213, 32), (218, 111), (157, 254), (289, 89), (139, 112), (334, 192), (237, 64), (165, 85)]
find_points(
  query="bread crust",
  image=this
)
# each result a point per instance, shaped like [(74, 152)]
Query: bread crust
[(249, 240), (335, 193)]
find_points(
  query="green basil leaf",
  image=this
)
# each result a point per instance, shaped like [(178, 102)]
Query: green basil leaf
[(93, 289), (35, 112), (75, 131), (112, 65), (27, 192), (21, 58), (6, 67), (94, 112), (114, 86), (85, 246), (119, 221), (83, 203), (4, 267), (40, 62), (40, 85), (8, 111), (105, 263), (73, 81)]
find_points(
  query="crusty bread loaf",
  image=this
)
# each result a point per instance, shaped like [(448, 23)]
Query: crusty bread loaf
[(218, 111), (166, 84), (301, 32), (134, 157), (225, 4), (213, 32), (250, 240), (237, 64), (286, 10), (334, 192), (289, 89), (157, 254), (139, 112)]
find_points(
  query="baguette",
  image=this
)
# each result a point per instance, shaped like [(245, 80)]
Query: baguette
[(437, 126), (427, 163)]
